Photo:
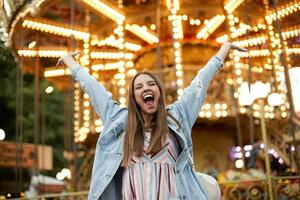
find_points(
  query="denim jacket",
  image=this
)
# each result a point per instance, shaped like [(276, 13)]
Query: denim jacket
[(106, 181)]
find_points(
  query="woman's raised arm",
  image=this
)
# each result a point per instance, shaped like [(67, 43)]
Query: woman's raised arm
[(101, 99), (193, 96)]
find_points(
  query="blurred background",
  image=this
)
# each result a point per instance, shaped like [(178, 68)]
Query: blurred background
[(247, 133)]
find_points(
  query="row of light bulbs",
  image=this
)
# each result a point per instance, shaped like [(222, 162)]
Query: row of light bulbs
[(108, 66), (110, 12), (177, 35), (231, 5), (45, 53), (46, 26), (78, 137), (51, 53), (53, 72), (292, 32), (243, 28), (111, 55), (210, 26), (222, 110), (214, 110), (284, 11), (122, 69), (254, 53), (275, 46), (113, 42), (143, 33), (295, 51), (254, 41)]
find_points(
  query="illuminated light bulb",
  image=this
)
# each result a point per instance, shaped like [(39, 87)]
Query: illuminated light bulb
[(139, 31), (207, 106), (86, 124), (179, 82), (222, 39), (211, 26), (122, 90), (217, 106), (231, 5), (180, 92), (86, 103), (208, 114), (61, 29), (110, 12), (202, 114), (224, 113), (122, 100), (178, 73)]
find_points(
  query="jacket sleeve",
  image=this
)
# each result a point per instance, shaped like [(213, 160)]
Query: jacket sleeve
[(101, 99), (190, 103)]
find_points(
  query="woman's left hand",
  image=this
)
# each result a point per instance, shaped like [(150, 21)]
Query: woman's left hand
[(235, 47), (225, 49)]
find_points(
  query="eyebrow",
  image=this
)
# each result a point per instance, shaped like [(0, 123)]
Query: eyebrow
[(138, 84)]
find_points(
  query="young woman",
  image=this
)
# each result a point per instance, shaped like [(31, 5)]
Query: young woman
[(145, 152)]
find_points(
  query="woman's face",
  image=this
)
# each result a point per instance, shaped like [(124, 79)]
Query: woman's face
[(146, 94)]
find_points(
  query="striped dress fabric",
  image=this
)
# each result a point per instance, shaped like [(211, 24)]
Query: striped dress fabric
[(152, 177)]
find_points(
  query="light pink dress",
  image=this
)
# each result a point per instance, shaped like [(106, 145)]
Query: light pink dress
[(152, 177)]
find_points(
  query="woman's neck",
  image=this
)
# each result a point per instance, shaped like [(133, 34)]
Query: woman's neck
[(148, 119)]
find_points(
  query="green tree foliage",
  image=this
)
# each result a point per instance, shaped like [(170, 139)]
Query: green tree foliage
[(51, 111), (8, 68)]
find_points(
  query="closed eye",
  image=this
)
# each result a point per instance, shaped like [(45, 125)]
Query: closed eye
[(152, 83)]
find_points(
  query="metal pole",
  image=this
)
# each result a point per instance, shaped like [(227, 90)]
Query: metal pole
[(250, 109), (235, 103), (238, 125), (266, 147), (289, 88), (159, 62), (36, 108)]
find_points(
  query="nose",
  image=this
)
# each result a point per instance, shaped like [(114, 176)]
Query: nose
[(146, 89)]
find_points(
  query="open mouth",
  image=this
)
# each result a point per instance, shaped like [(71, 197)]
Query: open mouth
[(148, 99)]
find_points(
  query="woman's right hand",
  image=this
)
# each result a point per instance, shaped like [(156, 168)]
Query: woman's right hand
[(67, 60)]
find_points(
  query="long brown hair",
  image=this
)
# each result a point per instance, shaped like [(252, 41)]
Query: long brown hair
[(134, 136)]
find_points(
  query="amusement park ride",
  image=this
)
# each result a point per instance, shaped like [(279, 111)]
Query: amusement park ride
[(173, 38)]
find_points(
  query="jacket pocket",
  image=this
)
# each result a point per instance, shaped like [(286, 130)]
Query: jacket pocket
[(108, 139)]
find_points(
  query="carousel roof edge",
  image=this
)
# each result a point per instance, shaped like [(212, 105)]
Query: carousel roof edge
[(21, 12)]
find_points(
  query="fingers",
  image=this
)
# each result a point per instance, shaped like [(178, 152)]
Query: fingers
[(235, 47), (59, 63), (74, 54)]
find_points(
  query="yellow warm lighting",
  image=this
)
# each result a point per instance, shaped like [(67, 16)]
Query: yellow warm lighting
[(293, 51), (48, 26), (210, 26), (251, 41), (143, 33), (222, 39), (173, 4), (231, 5), (110, 55), (113, 42), (43, 53), (53, 72), (106, 10), (108, 66), (32, 44), (254, 53), (132, 46), (292, 32), (283, 11), (177, 27)]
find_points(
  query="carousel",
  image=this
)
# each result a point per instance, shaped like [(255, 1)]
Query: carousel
[(247, 132)]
